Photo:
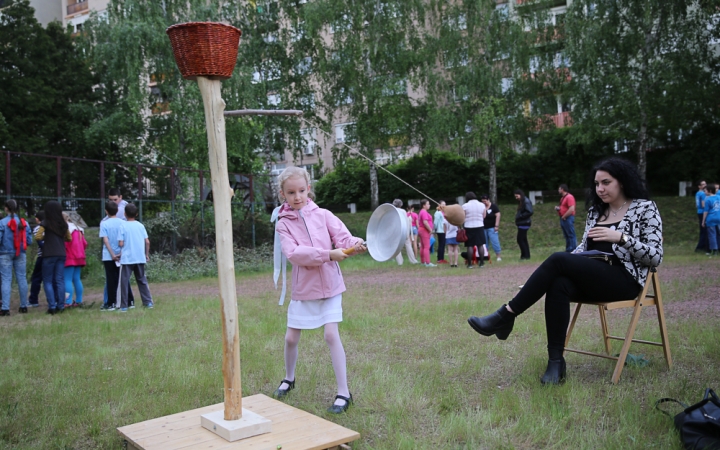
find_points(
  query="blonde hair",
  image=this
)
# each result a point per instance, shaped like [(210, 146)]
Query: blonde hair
[(293, 172)]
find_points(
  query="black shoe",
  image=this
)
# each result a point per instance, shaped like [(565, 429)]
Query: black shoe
[(498, 323), (51, 311), (5, 312), (280, 393), (337, 409), (23, 310), (555, 372)]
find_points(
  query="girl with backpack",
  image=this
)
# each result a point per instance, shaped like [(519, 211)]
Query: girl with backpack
[(14, 239), (74, 262)]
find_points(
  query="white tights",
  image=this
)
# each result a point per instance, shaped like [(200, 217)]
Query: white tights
[(337, 354)]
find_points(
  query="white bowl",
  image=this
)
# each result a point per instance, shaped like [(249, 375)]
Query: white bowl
[(387, 231)]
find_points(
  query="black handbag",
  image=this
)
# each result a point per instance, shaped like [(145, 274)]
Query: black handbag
[(699, 424)]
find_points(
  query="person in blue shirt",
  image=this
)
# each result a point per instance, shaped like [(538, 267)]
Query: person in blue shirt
[(14, 239), (702, 245), (110, 232), (135, 253), (711, 218)]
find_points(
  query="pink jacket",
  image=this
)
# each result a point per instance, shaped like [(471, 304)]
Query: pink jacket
[(75, 250), (307, 236)]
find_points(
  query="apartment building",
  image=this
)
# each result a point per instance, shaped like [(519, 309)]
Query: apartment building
[(76, 12), (318, 145)]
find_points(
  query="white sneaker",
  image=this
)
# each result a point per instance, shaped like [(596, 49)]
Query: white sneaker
[(430, 265), (498, 259)]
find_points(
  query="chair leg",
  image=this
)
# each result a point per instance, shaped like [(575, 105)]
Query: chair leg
[(661, 321), (628, 340), (605, 331), (576, 313)]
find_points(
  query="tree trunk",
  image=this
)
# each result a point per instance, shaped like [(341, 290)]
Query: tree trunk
[(493, 173), (374, 193)]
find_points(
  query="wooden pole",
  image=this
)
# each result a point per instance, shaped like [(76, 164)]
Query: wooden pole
[(222, 194)]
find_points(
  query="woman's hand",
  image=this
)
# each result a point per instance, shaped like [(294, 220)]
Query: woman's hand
[(604, 234), (337, 255)]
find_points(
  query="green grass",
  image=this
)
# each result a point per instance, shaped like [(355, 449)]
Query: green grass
[(421, 378)]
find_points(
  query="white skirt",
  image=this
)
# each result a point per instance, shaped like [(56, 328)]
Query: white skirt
[(311, 314)]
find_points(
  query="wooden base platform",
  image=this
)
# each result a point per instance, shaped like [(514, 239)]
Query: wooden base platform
[(292, 429)]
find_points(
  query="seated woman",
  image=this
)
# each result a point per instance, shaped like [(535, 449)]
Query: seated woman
[(621, 221)]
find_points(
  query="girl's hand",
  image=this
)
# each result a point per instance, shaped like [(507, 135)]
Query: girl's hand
[(337, 255), (604, 234), (360, 247)]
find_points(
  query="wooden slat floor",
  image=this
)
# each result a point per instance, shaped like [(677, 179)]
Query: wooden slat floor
[(292, 429)]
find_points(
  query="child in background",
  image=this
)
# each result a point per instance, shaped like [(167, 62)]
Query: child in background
[(711, 218), (110, 232), (307, 234), (54, 230), (451, 242), (135, 253), (14, 239), (74, 262), (36, 277)]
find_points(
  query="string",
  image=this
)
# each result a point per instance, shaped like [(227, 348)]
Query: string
[(373, 162)]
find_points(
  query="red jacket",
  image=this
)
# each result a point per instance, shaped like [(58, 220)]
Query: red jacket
[(76, 248)]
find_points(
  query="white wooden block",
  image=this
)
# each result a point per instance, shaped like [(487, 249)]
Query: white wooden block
[(250, 424)]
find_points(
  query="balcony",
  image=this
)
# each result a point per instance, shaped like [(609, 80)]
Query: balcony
[(562, 120), (77, 7), (160, 108)]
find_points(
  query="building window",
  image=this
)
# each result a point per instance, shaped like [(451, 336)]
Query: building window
[(343, 132), (309, 140), (310, 168), (304, 66), (344, 23), (344, 97), (506, 84), (273, 100), (307, 102)]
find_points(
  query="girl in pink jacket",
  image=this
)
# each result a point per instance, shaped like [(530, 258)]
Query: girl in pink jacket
[(74, 262), (313, 240)]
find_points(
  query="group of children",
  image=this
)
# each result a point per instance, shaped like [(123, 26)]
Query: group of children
[(61, 257), (126, 249)]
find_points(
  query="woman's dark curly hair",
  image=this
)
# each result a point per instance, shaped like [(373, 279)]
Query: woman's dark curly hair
[(631, 183), (54, 221)]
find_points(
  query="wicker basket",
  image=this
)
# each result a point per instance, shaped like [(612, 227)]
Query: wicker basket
[(207, 49)]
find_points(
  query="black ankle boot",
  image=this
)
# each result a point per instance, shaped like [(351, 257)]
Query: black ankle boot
[(499, 323), (555, 372)]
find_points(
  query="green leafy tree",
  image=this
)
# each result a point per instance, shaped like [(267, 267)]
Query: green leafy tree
[(46, 100), (369, 55), (644, 71), (476, 78)]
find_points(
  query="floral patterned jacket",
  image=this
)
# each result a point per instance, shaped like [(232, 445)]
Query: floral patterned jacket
[(643, 227)]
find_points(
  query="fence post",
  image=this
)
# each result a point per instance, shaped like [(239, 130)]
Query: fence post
[(102, 190), (59, 180), (139, 174), (7, 175)]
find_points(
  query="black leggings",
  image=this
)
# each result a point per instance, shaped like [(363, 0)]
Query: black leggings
[(523, 243), (564, 276)]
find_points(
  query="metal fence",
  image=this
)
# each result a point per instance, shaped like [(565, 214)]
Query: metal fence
[(158, 191)]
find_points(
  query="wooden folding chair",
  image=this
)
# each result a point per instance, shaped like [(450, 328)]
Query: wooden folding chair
[(644, 299)]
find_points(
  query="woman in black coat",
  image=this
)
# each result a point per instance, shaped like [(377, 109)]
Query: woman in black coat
[(523, 221)]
